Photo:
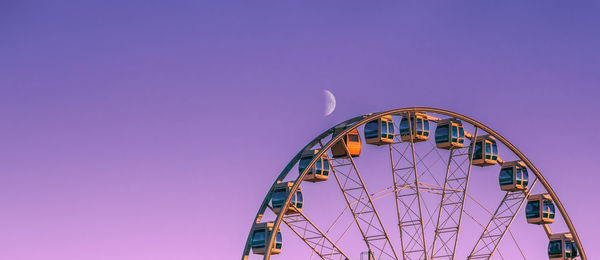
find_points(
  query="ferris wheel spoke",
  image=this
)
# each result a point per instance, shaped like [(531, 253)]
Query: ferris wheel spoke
[(516, 244), (313, 237), (377, 195), (452, 203), (499, 223), (361, 206), (427, 167), (408, 201)]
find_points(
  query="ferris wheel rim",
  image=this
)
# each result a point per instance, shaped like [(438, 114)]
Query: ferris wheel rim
[(362, 120)]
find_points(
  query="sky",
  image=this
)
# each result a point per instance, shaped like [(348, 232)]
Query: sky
[(153, 129)]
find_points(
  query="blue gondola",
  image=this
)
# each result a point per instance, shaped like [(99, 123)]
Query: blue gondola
[(562, 246), (380, 131), (449, 134), (319, 171), (513, 176), (486, 151), (540, 209), (280, 193), (417, 126), (260, 233)]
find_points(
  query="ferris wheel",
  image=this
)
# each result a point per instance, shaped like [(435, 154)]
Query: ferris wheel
[(411, 183)]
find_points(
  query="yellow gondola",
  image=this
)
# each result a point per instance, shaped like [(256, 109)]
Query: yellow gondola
[(352, 141)]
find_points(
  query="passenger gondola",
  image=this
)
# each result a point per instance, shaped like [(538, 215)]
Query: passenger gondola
[(418, 127), (319, 171), (261, 232), (540, 209), (513, 176), (562, 247), (486, 151), (380, 131), (449, 134), (281, 192), (352, 141)]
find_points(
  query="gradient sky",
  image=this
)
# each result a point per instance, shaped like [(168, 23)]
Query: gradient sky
[(153, 129)]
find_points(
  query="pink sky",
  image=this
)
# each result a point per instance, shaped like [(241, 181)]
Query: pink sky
[(149, 130)]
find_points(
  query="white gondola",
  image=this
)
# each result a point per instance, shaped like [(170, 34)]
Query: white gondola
[(319, 171), (260, 233), (380, 131), (281, 192), (486, 151), (562, 247), (449, 134), (540, 209), (513, 176), (420, 127)]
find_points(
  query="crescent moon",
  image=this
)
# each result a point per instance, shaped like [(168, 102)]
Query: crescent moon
[(329, 102)]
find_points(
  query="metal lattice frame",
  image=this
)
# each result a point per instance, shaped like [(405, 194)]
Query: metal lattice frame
[(496, 228), (452, 202), (361, 120), (313, 236), (364, 212), (408, 202)]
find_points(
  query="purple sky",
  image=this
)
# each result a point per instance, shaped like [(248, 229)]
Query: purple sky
[(149, 130)]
